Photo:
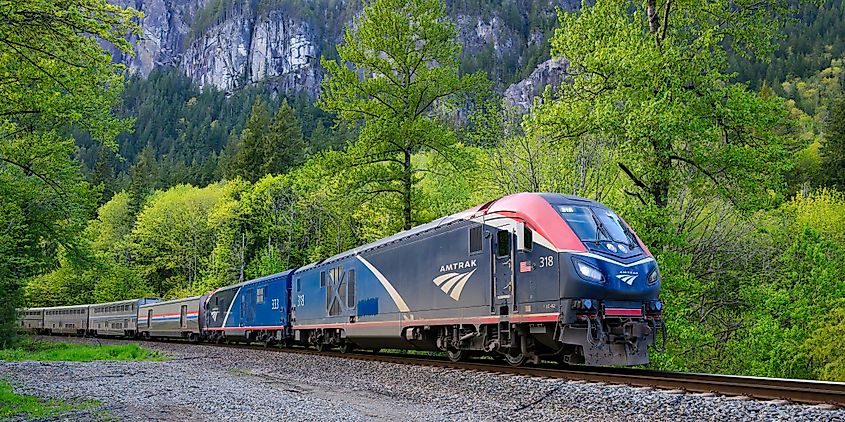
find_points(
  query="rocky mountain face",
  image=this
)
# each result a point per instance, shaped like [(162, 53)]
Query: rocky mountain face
[(230, 44)]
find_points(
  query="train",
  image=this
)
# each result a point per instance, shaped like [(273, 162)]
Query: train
[(523, 278)]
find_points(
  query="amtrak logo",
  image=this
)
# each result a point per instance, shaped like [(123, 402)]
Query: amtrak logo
[(460, 265), (453, 283), (628, 276), (214, 313)]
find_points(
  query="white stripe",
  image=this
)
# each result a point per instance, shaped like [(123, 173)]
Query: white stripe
[(452, 281), (592, 255), (442, 278), (226, 317), (400, 303), (456, 293)]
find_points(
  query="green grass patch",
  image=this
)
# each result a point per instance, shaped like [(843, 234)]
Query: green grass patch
[(20, 405), (76, 352)]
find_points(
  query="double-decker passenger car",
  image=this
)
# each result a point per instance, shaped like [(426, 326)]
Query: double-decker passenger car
[(31, 320), (255, 310), (116, 318), (181, 318), (66, 320)]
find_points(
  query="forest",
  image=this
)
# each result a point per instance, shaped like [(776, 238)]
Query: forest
[(716, 129)]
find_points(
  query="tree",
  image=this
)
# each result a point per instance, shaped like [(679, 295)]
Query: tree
[(55, 77), (143, 179), (249, 159), (398, 64), (103, 173), (173, 236), (284, 145), (833, 148), (651, 77)]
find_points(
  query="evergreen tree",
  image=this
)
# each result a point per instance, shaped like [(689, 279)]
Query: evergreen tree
[(249, 158), (408, 54), (143, 179), (104, 173), (833, 149), (284, 146)]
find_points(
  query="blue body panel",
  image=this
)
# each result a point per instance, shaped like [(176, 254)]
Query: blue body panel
[(260, 304)]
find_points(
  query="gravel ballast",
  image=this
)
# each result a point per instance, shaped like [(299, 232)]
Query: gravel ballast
[(203, 382)]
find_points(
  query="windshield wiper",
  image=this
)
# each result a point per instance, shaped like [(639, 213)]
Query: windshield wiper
[(602, 232)]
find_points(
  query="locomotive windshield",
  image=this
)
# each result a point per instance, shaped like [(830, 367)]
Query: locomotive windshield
[(595, 225)]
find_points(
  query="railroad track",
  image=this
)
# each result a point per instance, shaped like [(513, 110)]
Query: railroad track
[(792, 390)]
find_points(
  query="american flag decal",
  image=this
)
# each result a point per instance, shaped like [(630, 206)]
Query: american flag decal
[(525, 266)]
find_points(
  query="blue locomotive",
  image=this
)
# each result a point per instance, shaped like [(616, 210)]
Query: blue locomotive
[(523, 278)]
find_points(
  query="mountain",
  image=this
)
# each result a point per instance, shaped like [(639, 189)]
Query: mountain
[(233, 44)]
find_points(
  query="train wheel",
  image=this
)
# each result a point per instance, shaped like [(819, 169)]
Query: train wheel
[(346, 347), (456, 355), (320, 346), (515, 360)]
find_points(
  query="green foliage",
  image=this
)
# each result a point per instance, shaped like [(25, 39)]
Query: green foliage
[(267, 146), (22, 406), (75, 352), (249, 156), (654, 83), (833, 148), (56, 78), (173, 235), (408, 55), (806, 45), (826, 346)]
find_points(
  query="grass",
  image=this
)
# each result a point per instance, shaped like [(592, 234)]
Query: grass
[(55, 351), (20, 405)]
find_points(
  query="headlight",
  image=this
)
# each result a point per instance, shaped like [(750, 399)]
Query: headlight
[(653, 276), (589, 272)]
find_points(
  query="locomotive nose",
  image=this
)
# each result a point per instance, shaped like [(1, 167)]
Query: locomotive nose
[(593, 276)]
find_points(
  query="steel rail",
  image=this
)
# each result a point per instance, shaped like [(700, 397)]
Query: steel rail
[(793, 390)]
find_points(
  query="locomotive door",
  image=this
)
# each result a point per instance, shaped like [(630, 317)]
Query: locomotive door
[(503, 288), (183, 316)]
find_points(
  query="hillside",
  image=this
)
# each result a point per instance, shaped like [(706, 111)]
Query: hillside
[(233, 44)]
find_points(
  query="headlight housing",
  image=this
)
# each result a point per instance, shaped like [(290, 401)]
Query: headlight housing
[(653, 276), (588, 272)]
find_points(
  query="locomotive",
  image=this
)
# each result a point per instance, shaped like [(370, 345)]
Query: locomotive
[(523, 278)]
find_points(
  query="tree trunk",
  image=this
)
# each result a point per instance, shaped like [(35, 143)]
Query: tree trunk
[(653, 19), (406, 192)]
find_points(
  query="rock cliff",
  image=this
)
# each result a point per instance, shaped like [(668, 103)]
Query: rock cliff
[(230, 44)]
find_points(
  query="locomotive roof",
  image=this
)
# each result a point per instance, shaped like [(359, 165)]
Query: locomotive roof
[(256, 280), (167, 302), (514, 202)]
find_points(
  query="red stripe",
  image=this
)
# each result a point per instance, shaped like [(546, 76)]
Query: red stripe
[(269, 327), (623, 312), (535, 318), (437, 321), (173, 315)]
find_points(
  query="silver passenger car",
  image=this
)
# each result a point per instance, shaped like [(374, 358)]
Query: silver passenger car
[(116, 318), (173, 318), (66, 319), (31, 320)]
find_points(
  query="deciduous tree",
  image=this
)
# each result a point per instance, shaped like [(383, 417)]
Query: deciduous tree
[(652, 77), (399, 61), (54, 76)]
